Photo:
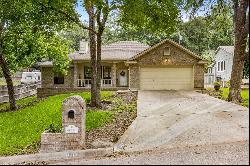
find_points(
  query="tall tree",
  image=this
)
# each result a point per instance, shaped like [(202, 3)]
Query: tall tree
[(159, 19), (27, 35), (241, 30)]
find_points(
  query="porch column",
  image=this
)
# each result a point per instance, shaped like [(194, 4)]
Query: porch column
[(113, 74), (75, 75)]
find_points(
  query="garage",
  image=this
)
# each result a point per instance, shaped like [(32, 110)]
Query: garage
[(166, 78)]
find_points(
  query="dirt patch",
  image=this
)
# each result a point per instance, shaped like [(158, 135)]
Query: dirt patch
[(124, 108)]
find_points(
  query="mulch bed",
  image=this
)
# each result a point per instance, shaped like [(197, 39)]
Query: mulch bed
[(122, 120)]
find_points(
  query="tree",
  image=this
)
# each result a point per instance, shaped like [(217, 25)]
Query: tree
[(241, 25), (74, 35), (161, 17), (27, 35)]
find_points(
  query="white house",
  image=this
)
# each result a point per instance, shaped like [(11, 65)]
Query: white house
[(221, 69)]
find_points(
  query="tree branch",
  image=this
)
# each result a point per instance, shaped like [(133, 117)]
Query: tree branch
[(73, 19), (105, 15)]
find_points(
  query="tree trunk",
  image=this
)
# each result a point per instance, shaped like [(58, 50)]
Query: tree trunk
[(240, 32), (98, 88), (93, 57), (9, 82)]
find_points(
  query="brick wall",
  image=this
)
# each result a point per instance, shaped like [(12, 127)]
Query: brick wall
[(156, 58), (45, 92), (47, 76)]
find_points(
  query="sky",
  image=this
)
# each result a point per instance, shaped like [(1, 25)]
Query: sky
[(84, 14)]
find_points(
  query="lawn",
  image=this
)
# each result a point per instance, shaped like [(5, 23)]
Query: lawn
[(20, 131), (15, 82), (244, 95), (225, 92)]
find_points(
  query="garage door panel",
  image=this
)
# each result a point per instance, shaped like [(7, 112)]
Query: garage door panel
[(166, 78)]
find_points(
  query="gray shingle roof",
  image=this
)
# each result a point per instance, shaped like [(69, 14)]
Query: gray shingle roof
[(122, 50), (229, 49)]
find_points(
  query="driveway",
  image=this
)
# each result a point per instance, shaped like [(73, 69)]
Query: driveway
[(169, 119)]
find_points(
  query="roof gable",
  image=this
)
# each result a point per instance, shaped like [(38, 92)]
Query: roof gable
[(163, 42), (228, 49)]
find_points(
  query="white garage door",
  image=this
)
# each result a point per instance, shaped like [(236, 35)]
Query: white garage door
[(166, 78)]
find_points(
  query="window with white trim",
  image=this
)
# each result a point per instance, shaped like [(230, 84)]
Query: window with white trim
[(221, 66)]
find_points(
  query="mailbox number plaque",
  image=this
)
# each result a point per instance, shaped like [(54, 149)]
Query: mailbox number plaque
[(71, 129)]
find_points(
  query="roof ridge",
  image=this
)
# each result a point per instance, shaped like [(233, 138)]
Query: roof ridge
[(162, 42)]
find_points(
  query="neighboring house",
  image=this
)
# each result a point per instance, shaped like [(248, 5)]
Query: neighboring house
[(221, 69), (129, 65)]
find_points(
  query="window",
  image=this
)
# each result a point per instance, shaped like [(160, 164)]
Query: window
[(221, 66), (87, 72), (106, 72), (218, 69), (59, 79), (209, 70), (167, 51)]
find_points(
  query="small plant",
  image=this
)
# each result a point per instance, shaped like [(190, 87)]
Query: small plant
[(227, 84), (217, 85), (54, 129)]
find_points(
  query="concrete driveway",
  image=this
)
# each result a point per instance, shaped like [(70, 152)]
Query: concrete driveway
[(168, 119)]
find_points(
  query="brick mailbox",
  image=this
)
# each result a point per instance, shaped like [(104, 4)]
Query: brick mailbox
[(73, 124)]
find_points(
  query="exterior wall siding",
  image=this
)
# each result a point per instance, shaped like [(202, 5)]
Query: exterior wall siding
[(222, 55)]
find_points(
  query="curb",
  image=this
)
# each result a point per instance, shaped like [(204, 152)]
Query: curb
[(57, 156)]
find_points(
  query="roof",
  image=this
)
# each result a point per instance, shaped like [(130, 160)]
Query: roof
[(229, 49), (162, 42), (122, 50)]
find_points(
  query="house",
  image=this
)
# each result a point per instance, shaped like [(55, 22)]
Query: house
[(221, 69), (129, 65)]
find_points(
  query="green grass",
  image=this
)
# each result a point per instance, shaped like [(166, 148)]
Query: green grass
[(244, 95), (23, 128), (22, 102), (15, 82)]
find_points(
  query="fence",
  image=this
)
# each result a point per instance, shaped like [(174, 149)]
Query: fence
[(21, 91)]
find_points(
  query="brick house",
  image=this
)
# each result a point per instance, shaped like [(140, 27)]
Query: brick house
[(129, 65)]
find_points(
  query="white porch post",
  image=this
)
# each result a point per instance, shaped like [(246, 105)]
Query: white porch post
[(75, 75), (114, 75)]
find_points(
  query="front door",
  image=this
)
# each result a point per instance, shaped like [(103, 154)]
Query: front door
[(123, 76)]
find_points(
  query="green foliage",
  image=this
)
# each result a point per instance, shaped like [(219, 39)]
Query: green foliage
[(23, 128), (244, 95), (20, 103), (74, 35), (216, 83), (29, 32), (227, 83), (205, 33), (98, 118), (156, 16), (54, 129)]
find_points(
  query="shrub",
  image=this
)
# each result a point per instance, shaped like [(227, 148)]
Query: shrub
[(217, 83), (227, 83)]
